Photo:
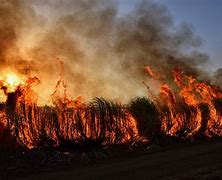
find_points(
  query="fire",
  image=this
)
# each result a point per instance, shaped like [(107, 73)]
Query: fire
[(183, 107), (68, 120), (11, 81), (188, 107)]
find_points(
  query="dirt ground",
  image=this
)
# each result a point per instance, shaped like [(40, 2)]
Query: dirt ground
[(199, 161)]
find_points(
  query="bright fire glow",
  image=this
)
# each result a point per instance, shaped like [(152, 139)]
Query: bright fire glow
[(12, 81)]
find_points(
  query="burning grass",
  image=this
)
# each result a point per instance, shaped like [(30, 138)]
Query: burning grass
[(187, 110), (33, 136), (100, 120)]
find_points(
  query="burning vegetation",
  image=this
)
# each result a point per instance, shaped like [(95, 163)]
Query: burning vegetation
[(116, 57), (186, 109)]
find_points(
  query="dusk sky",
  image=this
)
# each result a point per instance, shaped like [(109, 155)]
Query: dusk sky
[(205, 16)]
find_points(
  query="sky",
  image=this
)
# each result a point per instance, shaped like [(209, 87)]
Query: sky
[(205, 16)]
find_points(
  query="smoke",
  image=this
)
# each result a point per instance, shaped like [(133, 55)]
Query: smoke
[(104, 53), (15, 18), (217, 77)]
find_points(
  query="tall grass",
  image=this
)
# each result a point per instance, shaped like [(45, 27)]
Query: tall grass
[(147, 117), (103, 122)]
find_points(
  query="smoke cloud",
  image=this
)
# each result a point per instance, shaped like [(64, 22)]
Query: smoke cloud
[(217, 77), (104, 53)]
